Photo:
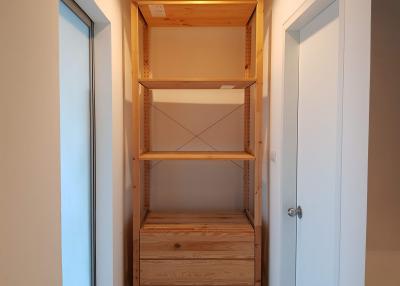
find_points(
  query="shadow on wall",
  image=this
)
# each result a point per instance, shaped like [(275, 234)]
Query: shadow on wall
[(266, 137), (127, 154), (383, 225)]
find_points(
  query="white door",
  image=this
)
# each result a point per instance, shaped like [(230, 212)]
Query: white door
[(318, 149)]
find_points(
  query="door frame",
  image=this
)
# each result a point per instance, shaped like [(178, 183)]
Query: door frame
[(80, 13), (353, 100), (292, 26)]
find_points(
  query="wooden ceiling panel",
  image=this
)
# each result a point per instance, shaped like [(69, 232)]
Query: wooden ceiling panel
[(197, 13)]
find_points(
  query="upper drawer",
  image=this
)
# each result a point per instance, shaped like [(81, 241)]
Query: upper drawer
[(191, 245)]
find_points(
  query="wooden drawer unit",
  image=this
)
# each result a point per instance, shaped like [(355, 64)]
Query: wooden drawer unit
[(197, 236), (196, 272), (197, 249)]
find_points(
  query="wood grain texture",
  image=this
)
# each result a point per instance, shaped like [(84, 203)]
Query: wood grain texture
[(197, 222), (199, 13), (196, 272), (250, 217), (196, 245), (247, 55), (246, 120), (147, 103), (198, 83), (196, 155)]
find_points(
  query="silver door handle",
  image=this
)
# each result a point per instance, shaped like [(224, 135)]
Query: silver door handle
[(296, 212)]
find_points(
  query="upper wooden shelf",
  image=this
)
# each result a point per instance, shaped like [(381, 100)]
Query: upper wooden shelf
[(196, 155), (196, 83), (197, 13)]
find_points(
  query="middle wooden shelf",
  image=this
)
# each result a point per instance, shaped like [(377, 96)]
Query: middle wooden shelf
[(196, 155), (197, 83)]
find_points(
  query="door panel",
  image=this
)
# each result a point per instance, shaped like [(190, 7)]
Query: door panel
[(317, 166)]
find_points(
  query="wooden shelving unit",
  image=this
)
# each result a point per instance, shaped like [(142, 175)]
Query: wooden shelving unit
[(212, 248)]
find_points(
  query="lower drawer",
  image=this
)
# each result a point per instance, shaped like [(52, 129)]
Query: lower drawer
[(196, 272), (196, 245)]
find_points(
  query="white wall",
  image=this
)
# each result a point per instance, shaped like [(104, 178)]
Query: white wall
[(355, 138), (30, 248), (197, 52), (29, 150), (383, 228)]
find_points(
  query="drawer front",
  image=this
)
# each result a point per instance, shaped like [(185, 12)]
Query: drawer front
[(196, 245), (196, 272)]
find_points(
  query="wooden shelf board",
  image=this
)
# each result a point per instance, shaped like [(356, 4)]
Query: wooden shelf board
[(197, 83), (198, 13), (196, 155), (204, 222)]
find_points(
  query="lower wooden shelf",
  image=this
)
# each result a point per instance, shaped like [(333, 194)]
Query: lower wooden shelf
[(197, 249), (196, 155)]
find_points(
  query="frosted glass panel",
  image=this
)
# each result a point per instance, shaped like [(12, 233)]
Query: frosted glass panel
[(75, 149)]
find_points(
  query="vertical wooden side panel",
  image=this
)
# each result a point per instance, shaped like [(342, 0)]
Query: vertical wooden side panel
[(248, 51), (258, 140), (146, 134), (246, 164), (146, 144), (246, 116), (146, 184), (136, 142), (146, 52), (246, 185), (147, 116)]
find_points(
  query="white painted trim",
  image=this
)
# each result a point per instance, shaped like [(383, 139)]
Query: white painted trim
[(340, 126), (289, 138), (106, 237), (105, 212), (291, 29), (305, 13), (356, 83)]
